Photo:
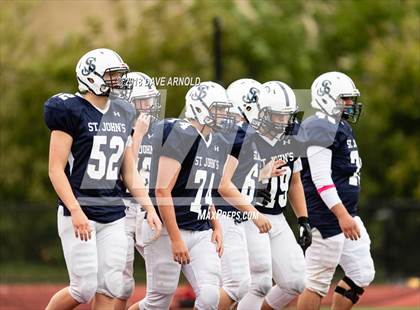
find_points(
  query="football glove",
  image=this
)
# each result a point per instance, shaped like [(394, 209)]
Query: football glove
[(305, 233)]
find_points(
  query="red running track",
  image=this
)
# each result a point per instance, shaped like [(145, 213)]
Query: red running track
[(36, 296)]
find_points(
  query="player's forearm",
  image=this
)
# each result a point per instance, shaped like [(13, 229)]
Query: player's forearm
[(340, 211), (167, 213), (135, 184), (297, 196), (214, 221), (142, 197), (229, 191), (62, 188), (137, 139), (233, 196)]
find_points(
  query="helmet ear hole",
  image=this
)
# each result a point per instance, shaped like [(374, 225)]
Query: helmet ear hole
[(198, 109), (91, 80), (248, 108)]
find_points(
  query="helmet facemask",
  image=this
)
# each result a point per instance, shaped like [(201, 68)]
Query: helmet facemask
[(149, 105), (352, 112), (117, 83), (220, 118), (276, 124)]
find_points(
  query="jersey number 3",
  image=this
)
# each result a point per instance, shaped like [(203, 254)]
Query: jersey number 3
[(355, 160)]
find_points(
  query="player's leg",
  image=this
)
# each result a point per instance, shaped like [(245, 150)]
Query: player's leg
[(162, 271), (112, 252), (288, 263), (128, 279), (82, 266), (204, 270), (359, 270), (322, 258), (236, 276), (259, 254), (62, 300)]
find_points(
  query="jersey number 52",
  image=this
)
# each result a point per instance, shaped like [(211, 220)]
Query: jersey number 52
[(105, 166)]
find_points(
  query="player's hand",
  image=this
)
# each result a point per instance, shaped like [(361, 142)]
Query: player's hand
[(217, 238), (262, 197), (155, 224), (305, 233), (272, 169), (278, 169), (349, 227), (81, 225), (180, 252), (262, 223), (142, 124)]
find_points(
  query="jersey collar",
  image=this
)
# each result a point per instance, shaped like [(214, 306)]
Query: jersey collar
[(102, 111), (206, 141), (272, 142)]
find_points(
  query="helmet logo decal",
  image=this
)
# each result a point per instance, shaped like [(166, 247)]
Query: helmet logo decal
[(200, 93), (325, 88), (90, 66), (252, 95)]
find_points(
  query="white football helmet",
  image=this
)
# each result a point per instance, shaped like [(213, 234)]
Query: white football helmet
[(208, 104), (245, 95), (144, 96), (278, 109), (328, 91), (92, 67)]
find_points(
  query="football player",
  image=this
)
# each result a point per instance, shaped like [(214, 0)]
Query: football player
[(89, 154), (238, 188), (277, 255), (331, 178), (185, 163), (146, 100)]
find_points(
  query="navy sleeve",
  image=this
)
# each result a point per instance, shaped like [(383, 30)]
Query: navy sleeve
[(237, 143), (319, 132), (175, 144), (58, 116), (132, 112)]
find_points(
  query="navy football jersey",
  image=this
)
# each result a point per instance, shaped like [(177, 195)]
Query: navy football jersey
[(200, 162), (240, 143), (284, 149), (99, 142), (319, 130), (145, 155)]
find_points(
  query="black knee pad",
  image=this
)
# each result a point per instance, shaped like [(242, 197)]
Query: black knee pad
[(353, 293)]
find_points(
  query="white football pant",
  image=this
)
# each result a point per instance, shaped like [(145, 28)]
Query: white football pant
[(323, 256), (96, 265), (236, 277), (274, 256), (203, 272)]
